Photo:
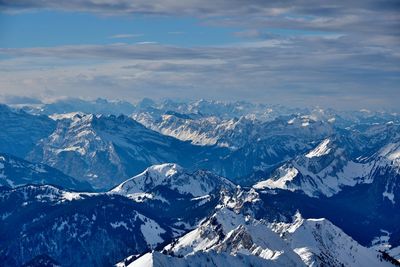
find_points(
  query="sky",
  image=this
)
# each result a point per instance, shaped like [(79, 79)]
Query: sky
[(340, 54)]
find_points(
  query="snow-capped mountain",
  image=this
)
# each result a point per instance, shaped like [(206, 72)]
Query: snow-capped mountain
[(339, 175), (362, 211), (16, 172), (172, 176), (225, 239), (182, 197), (324, 170), (230, 238), (331, 165), (201, 131), (320, 243), (233, 234)]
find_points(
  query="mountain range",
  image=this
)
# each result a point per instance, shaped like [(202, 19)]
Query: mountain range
[(199, 183)]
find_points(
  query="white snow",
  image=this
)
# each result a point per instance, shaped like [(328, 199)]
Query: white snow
[(77, 149), (317, 177), (231, 239), (391, 151), (320, 150), (71, 196), (395, 253), (145, 261), (381, 243), (312, 239), (62, 116), (288, 175), (151, 231), (238, 231)]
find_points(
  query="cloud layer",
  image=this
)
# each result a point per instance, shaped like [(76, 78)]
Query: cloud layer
[(343, 54)]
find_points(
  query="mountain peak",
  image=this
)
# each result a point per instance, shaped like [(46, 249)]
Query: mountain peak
[(174, 177)]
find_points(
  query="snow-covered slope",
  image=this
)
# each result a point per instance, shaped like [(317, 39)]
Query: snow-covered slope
[(329, 167), (235, 234), (240, 232), (228, 238), (319, 243), (323, 170), (206, 131), (199, 132), (388, 165), (223, 239), (391, 152), (16, 172), (321, 150), (395, 253), (199, 259)]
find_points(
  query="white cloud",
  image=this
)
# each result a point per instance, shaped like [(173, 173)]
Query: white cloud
[(126, 36), (304, 70)]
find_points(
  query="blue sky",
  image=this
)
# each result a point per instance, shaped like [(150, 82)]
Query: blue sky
[(293, 52), (55, 28)]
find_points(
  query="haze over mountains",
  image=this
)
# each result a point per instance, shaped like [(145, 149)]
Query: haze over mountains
[(204, 183)]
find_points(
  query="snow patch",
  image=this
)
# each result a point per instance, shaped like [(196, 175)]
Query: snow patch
[(320, 150), (151, 231), (71, 196), (389, 196), (288, 175)]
